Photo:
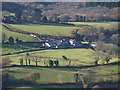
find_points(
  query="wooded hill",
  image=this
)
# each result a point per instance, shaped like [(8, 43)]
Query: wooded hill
[(63, 11)]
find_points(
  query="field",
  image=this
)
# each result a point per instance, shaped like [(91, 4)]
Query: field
[(17, 35), (83, 58), (11, 48), (60, 29), (46, 29), (64, 75), (79, 57), (106, 25)]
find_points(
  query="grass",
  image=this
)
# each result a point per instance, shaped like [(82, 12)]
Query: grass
[(17, 35), (106, 25), (11, 48), (58, 75), (79, 54), (79, 57), (8, 49), (46, 29), (60, 29)]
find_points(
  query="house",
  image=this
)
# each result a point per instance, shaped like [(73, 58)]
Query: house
[(93, 44), (65, 43), (72, 42), (52, 43)]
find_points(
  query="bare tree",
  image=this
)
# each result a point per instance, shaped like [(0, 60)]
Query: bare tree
[(21, 61)]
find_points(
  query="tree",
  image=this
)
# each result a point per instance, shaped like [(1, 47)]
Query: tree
[(11, 40), (51, 63), (29, 61), (69, 62), (36, 61), (21, 61), (5, 61), (64, 18), (27, 54), (26, 60), (96, 60), (18, 15), (107, 59), (101, 37), (76, 77), (44, 19), (3, 37), (76, 34), (114, 39), (32, 77), (56, 63), (17, 40)]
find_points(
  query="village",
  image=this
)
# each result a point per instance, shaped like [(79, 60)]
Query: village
[(60, 43)]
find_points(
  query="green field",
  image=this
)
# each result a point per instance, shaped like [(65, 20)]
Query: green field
[(17, 35), (11, 48), (78, 57), (65, 75), (106, 25), (46, 29), (60, 29)]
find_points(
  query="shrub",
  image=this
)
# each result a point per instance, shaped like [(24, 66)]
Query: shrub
[(32, 77), (5, 61)]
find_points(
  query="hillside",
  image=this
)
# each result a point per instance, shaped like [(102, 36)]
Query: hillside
[(61, 11), (60, 45)]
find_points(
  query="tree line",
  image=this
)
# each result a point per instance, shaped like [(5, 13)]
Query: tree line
[(61, 12)]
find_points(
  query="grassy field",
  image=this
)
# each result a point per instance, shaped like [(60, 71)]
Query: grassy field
[(11, 48), (97, 24), (17, 35), (64, 75), (61, 29), (46, 29), (79, 57), (79, 54)]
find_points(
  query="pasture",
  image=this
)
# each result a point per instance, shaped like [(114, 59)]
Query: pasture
[(78, 57), (61, 29), (65, 75), (11, 48), (17, 35), (105, 25), (46, 29)]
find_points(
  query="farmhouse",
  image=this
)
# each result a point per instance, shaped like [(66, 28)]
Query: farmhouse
[(69, 43), (93, 44)]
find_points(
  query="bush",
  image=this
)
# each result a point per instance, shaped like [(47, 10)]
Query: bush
[(5, 61), (32, 77)]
